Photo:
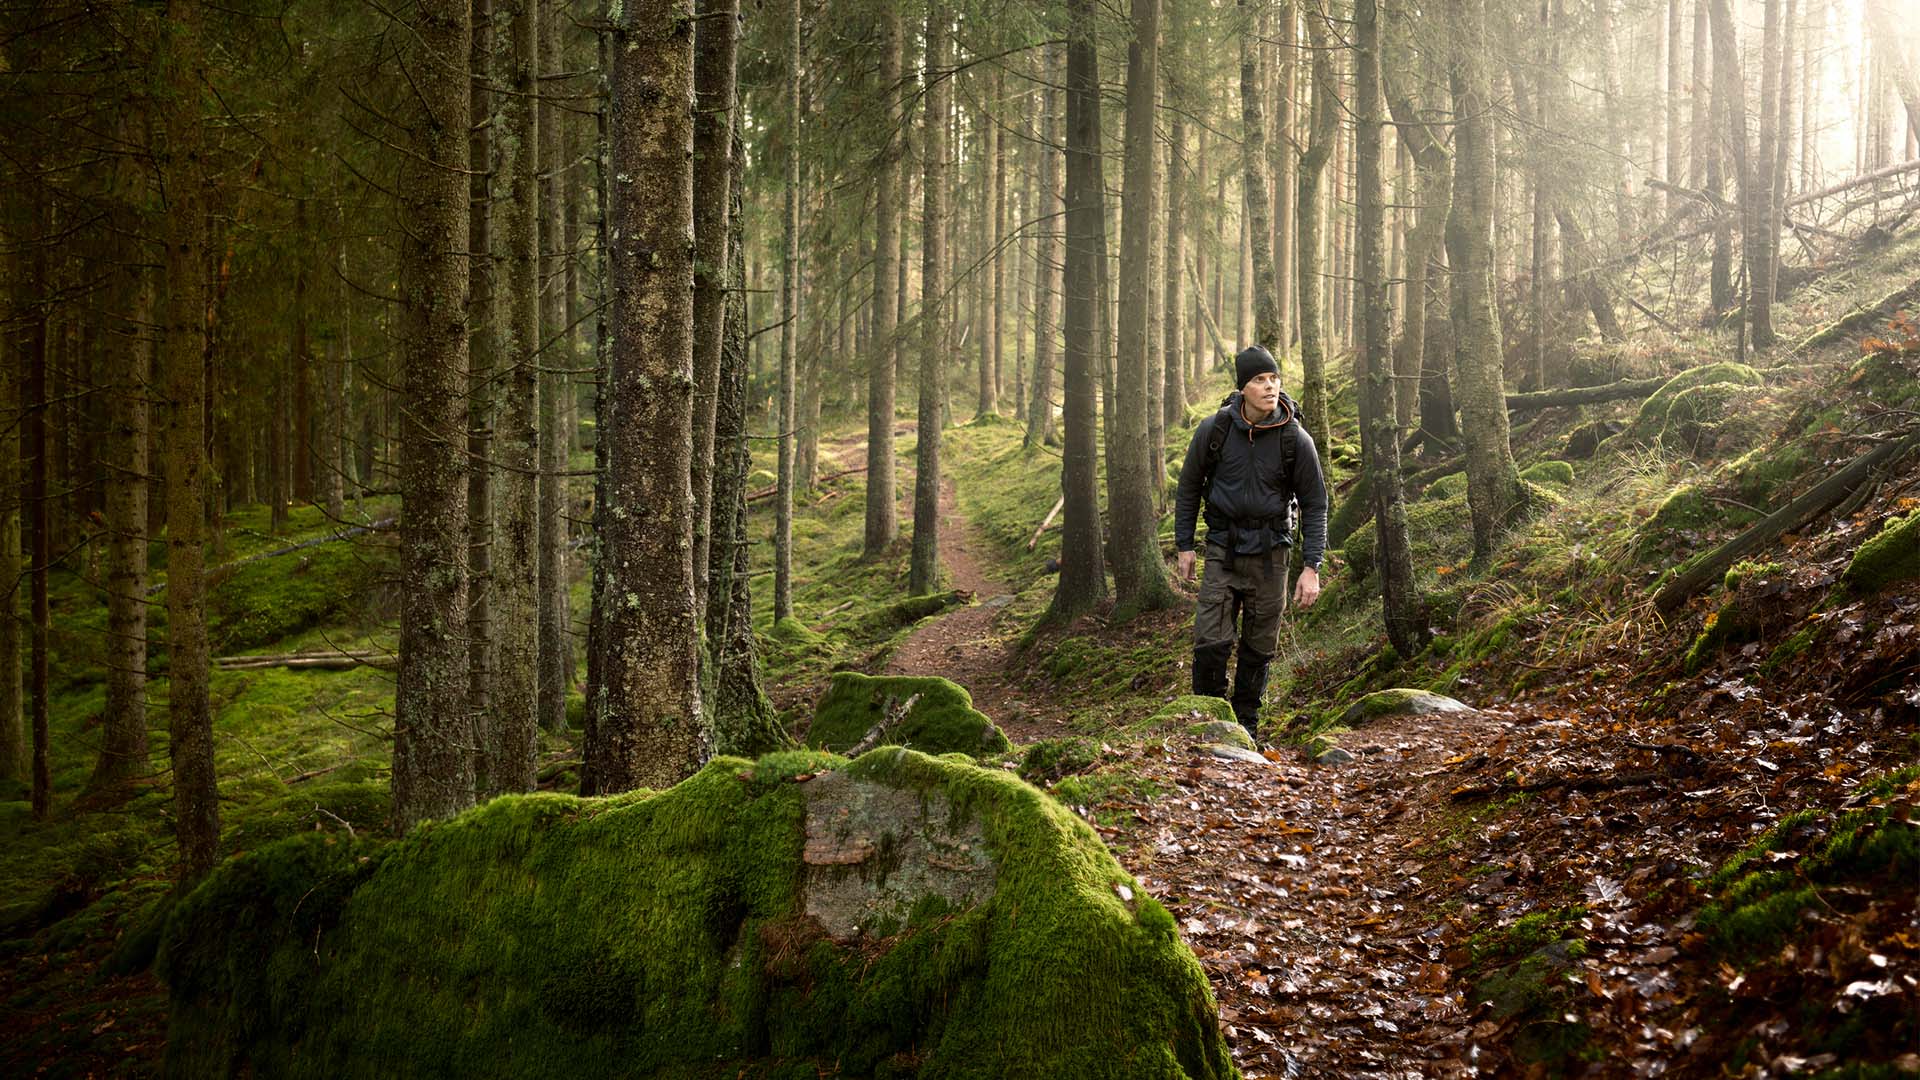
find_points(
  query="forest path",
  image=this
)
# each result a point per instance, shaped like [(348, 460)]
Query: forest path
[(962, 644)]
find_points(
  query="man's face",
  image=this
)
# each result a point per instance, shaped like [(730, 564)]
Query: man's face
[(1262, 392)]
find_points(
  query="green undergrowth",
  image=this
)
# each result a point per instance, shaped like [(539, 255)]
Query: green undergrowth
[(663, 935)]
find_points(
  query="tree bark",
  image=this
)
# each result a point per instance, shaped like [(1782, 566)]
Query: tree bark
[(1379, 429), (123, 746), (924, 569), (789, 329), (483, 343), (1045, 267), (744, 721), (715, 42), (512, 733), (1083, 582), (883, 515), (648, 725), (1173, 399), (1494, 492), (35, 461), (1433, 168), (433, 731), (1258, 200), (182, 364), (1139, 572), (15, 762), (1323, 129), (555, 646)]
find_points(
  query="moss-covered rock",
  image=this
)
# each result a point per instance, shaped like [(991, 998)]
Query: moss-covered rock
[(263, 600), (1446, 487), (1051, 759), (983, 931), (1193, 708), (791, 631), (1399, 701), (942, 718), (1557, 473), (1652, 416), (1892, 554), (1701, 419), (1224, 732)]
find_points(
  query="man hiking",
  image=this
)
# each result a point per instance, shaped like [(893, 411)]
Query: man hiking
[(1247, 463)]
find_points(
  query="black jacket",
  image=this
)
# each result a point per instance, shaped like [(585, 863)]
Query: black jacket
[(1247, 501)]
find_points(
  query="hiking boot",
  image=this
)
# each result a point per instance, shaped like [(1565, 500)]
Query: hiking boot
[(1210, 669), (1249, 687)]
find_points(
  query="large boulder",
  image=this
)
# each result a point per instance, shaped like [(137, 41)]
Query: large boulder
[(894, 916), (1399, 701), (929, 714)]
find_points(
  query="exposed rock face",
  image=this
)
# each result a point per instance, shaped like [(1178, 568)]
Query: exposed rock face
[(897, 915), (874, 853)]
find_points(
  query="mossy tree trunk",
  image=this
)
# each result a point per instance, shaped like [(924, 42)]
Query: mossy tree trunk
[(1323, 128), (123, 744), (433, 765), (35, 461), (789, 330), (513, 711), (883, 515), (924, 568), (554, 646), (1173, 329), (1373, 362), (181, 364), (14, 763), (1139, 571), (1493, 483), (648, 728), (744, 721), (1083, 580), (715, 42)]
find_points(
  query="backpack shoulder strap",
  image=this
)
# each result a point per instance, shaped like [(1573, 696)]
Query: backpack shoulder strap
[(1220, 425)]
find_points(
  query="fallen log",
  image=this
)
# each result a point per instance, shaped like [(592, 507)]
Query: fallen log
[(1585, 395), (768, 493), (1699, 573), (321, 660), (1058, 503), (1857, 321)]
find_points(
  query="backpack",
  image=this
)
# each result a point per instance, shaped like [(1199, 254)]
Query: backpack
[(1223, 423)]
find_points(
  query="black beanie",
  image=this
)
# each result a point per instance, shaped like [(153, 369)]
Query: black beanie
[(1252, 360)]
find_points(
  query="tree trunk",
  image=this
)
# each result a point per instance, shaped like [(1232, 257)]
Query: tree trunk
[(883, 517), (1083, 581), (182, 366), (123, 745), (1173, 400), (924, 570), (1757, 200), (1379, 430), (744, 722), (483, 343), (1139, 571), (1321, 133), (512, 730), (1701, 133), (555, 646), (15, 762), (1887, 38), (789, 330), (995, 310), (648, 727), (432, 730), (1045, 268), (1494, 492), (1285, 161), (36, 461), (715, 42), (1258, 201)]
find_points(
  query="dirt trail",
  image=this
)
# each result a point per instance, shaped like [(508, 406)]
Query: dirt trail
[(962, 645)]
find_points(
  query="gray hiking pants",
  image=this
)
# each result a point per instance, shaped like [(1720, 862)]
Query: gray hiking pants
[(1245, 600)]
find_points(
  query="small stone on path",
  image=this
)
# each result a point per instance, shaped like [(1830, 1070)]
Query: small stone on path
[(1332, 755), (1235, 753)]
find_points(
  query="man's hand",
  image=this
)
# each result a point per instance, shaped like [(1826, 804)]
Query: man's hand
[(1184, 562), (1307, 589)]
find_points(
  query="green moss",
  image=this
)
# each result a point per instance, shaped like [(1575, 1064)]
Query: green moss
[(791, 631), (259, 602), (1893, 554), (1701, 417), (1192, 709), (1652, 417), (664, 935), (941, 720), (1051, 759), (1791, 649), (1557, 473), (1446, 487), (1524, 935), (1805, 857)]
